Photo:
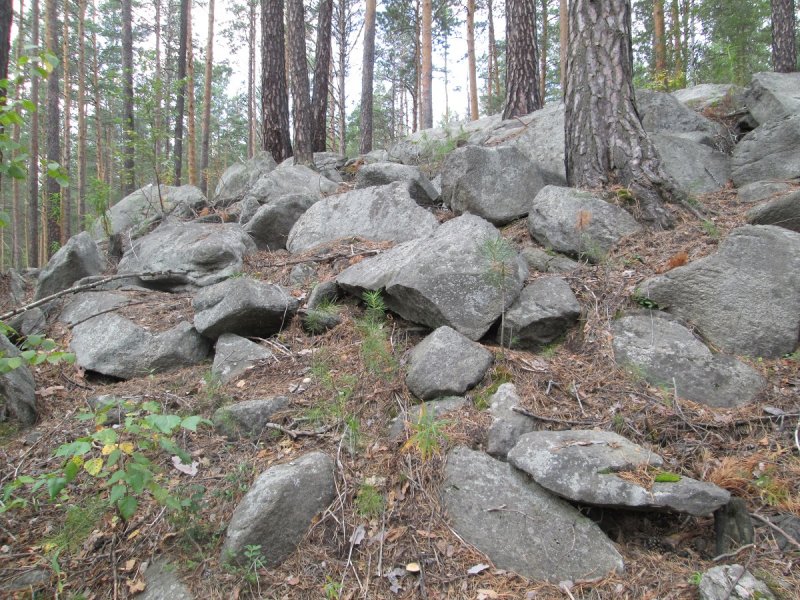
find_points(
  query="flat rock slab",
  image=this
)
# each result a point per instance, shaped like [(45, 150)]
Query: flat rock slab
[(768, 152), (662, 112), (243, 306), (666, 353), (385, 213), (521, 526), (582, 466), (782, 212), (544, 311), (234, 355), (289, 179), (732, 582), (507, 426), (200, 254), (446, 363), (277, 511), (762, 190), (548, 262), (578, 223), (695, 168), (249, 417), (78, 258), (383, 173), (17, 388), (433, 409), (85, 305), (270, 225), (708, 95), (773, 96), (745, 298)]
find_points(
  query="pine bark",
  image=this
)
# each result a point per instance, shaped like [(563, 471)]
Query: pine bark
[(180, 102), (53, 131), (128, 127), (367, 66), (522, 61), (301, 96), (18, 216), (274, 98), (472, 68), (493, 70), (563, 42), (33, 165), (206, 135), (322, 70), (66, 150), (191, 122), (426, 75), (82, 126), (678, 70), (100, 172), (659, 45), (252, 138), (784, 45), (543, 48), (606, 144), (6, 18), (159, 84), (342, 43)]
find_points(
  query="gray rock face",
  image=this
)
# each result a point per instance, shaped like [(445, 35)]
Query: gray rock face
[(84, 305), (112, 345), (237, 179), (326, 164), (530, 532), (271, 224), (16, 285), (662, 112), (446, 364), (540, 260), (783, 212), (732, 582), (542, 140), (163, 582), (507, 426), (733, 527), (497, 184), (325, 291), (768, 152), (17, 389), (433, 409), (696, 168), (663, 352), (427, 144), (277, 511), (287, 180), (78, 258), (544, 311), (578, 223), (582, 466), (773, 96), (708, 95), (243, 306), (385, 213), (761, 190), (745, 298), (199, 254), (249, 417), (233, 355), (383, 173), (32, 321)]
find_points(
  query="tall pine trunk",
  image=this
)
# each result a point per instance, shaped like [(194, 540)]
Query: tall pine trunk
[(659, 46), (66, 150), (342, 43), (180, 102), (522, 61), (204, 155), (274, 98), (191, 123), (472, 68), (18, 212), (322, 69), (301, 96), (82, 127), (426, 76), (563, 41), (53, 130), (100, 172), (678, 69), (492, 71), (543, 48), (367, 66), (159, 90), (33, 164), (128, 130), (252, 137), (784, 46)]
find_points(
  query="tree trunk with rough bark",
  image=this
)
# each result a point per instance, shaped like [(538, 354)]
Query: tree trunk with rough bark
[(472, 68), (18, 214), (33, 164), (53, 130), (543, 49), (301, 96), (252, 138), (426, 74), (493, 71), (66, 149), (784, 45), (322, 70), (274, 98), (191, 122), (606, 144), (367, 66), (180, 102), (128, 127), (522, 62), (206, 135), (659, 46), (563, 41), (341, 22), (82, 126)]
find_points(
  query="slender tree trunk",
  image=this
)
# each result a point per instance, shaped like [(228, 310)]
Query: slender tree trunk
[(100, 172), (678, 70), (18, 217), (252, 138), (207, 99), (6, 19), (128, 127), (322, 69), (367, 66), (659, 46), (301, 97), (157, 114), (82, 127), (52, 189), (563, 41), (169, 61), (492, 78), (784, 45), (427, 65), (274, 98), (472, 68), (417, 93), (606, 144), (181, 97), (342, 42), (543, 50), (522, 62), (66, 150), (33, 164), (191, 122)]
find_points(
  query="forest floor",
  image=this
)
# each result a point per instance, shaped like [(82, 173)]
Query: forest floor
[(387, 514)]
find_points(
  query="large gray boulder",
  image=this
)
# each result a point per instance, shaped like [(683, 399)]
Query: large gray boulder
[(762, 190), (768, 152), (270, 225), (732, 582), (17, 389), (234, 355), (243, 306), (326, 164), (78, 258), (497, 184), (446, 363), (783, 212), (543, 312), (237, 179), (195, 255), (745, 298), (431, 145), (162, 582), (112, 345), (548, 262), (584, 466), (248, 418), (578, 223), (662, 112), (507, 425), (277, 511), (695, 168), (521, 526), (540, 138), (665, 353), (384, 173), (385, 213), (85, 305), (773, 96), (709, 95), (286, 180)]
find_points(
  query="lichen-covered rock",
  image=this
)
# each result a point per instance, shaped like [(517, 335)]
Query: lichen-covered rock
[(78, 258), (768, 152), (507, 426), (249, 417), (234, 355), (384, 173), (17, 389), (270, 225)]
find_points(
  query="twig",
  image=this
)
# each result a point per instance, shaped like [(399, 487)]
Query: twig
[(325, 258), (776, 528), (732, 554), (296, 433), (527, 413), (102, 312), (574, 390), (797, 435)]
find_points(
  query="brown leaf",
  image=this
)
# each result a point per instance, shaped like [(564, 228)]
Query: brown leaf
[(135, 585), (583, 220)]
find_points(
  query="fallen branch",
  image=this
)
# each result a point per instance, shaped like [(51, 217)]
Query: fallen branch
[(766, 521), (296, 433), (527, 413), (324, 258)]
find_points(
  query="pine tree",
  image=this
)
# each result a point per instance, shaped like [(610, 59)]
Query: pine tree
[(274, 98), (522, 62)]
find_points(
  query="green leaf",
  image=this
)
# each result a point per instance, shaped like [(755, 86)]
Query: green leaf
[(71, 469), (77, 448), (151, 407), (93, 466), (163, 423), (55, 485), (117, 492), (28, 355), (172, 448), (106, 436), (192, 422), (116, 477), (667, 477), (114, 457), (127, 506)]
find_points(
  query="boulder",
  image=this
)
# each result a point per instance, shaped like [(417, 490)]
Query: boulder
[(30, 322), (248, 418), (432, 145), (695, 168), (243, 306), (237, 179), (385, 213), (761, 190), (548, 262), (783, 212), (733, 527), (233, 355), (188, 254), (541, 138), (709, 95), (302, 274), (665, 353), (277, 511), (584, 466), (497, 184), (732, 582), (327, 164), (162, 581), (768, 152), (745, 298), (270, 225), (325, 291), (433, 409), (112, 345), (507, 426), (78, 258), (14, 287), (662, 112), (17, 388), (383, 173), (85, 305), (578, 223), (773, 96), (446, 364), (521, 526), (543, 312), (287, 180), (790, 524)]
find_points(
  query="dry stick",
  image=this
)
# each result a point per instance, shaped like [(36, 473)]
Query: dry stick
[(84, 287), (732, 554), (776, 528), (327, 257), (527, 413), (102, 312), (296, 433)]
